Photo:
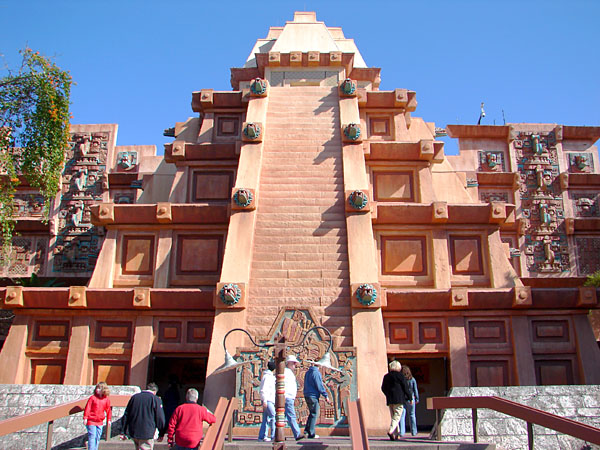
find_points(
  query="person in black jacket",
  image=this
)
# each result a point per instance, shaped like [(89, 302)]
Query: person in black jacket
[(143, 417), (395, 388)]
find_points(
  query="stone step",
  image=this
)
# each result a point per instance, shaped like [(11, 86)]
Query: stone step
[(299, 282), (270, 206), (306, 218), (300, 265)]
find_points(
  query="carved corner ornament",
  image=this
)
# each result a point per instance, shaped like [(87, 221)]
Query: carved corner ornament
[(230, 295), (357, 201), (347, 88), (106, 213), (587, 296), (243, 198), (259, 87), (163, 212), (252, 132), (366, 295), (459, 298), (352, 133), (14, 296), (439, 212)]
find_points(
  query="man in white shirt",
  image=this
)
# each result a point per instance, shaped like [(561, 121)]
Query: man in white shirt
[(291, 389)]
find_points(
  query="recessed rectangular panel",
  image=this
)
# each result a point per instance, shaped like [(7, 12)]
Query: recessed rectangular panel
[(199, 254), (379, 126), (401, 332), (228, 126), (465, 253), (489, 373), (550, 330), (199, 332), (113, 332), (209, 185), (487, 332), (430, 333), (138, 255), (113, 373), (554, 372), (169, 332), (393, 186), (404, 255), (45, 371), (49, 330)]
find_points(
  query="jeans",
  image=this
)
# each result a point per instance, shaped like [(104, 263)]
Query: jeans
[(409, 408), (268, 421), (312, 403), (290, 415), (94, 433)]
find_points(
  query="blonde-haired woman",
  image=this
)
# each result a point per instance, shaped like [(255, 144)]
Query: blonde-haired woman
[(96, 409), (395, 388)]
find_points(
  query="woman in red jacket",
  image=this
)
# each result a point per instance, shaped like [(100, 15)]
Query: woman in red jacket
[(96, 409)]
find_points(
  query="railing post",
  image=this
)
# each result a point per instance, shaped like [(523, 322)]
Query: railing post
[(530, 435), (438, 424), (230, 431), (49, 435), (475, 427), (108, 428)]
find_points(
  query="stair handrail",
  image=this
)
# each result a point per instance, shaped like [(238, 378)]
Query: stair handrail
[(356, 423), (215, 436), (531, 415), (52, 413)]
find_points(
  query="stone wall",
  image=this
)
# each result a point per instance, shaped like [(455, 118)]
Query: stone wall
[(579, 403), (69, 432)]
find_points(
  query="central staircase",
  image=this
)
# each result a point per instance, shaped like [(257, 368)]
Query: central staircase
[(300, 255)]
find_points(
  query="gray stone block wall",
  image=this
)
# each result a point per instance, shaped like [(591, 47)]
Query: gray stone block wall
[(69, 432), (579, 403)]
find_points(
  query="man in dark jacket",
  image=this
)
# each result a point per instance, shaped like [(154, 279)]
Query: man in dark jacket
[(313, 389), (396, 391), (143, 417)]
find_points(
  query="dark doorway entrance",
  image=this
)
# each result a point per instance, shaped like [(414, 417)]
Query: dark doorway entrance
[(432, 380), (187, 372)]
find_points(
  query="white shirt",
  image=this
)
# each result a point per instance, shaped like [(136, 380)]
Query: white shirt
[(291, 388), (267, 387)]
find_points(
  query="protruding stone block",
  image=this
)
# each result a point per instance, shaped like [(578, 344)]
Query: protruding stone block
[(558, 133), (314, 58), (274, 59), (14, 296), (230, 295), (400, 97), (295, 59), (587, 296), (163, 212), (106, 212), (77, 297), (459, 298), (570, 225), (426, 150), (564, 180), (141, 298), (206, 98), (497, 212), (335, 58), (522, 297), (440, 212)]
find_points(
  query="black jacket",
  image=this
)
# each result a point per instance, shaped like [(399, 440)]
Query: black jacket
[(143, 415), (395, 388)]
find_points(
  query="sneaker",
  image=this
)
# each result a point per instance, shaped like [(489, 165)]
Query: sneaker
[(300, 436), (314, 436), (267, 439)]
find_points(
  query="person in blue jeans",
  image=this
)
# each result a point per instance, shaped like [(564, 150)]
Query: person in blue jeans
[(267, 395), (313, 389), (410, 405), (291, 389)]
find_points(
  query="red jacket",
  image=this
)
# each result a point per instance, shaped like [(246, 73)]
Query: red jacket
[(95, 409), (186, 424)]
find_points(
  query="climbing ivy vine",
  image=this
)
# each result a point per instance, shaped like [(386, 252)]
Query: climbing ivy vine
[(34, 134)]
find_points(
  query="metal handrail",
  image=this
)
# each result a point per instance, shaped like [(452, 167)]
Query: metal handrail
[(530, 415), (358, 429), (49, 415)]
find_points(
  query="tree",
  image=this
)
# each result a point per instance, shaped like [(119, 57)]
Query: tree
[(34, 134)]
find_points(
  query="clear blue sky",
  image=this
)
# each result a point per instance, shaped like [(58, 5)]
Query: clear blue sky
[(136, 63)]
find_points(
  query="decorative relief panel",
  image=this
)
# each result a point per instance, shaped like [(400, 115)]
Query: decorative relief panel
[(84, 181), (28, 205), (494, 196), (546, 245), (580, 162), (491, 161), (28, 255), (588, 255), (340, 386), (585, 204)]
